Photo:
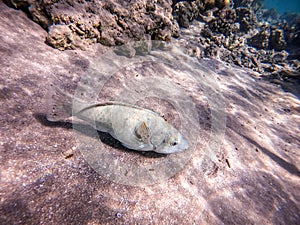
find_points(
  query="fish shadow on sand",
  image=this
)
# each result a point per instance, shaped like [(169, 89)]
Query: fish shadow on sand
[(85, 129)]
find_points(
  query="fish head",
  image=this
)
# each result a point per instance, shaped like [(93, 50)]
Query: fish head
[(172, 143)]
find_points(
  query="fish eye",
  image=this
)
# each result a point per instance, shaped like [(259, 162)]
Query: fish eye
[(174, 143)]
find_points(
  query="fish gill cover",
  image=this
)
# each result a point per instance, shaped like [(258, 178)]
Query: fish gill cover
[(144, 71)]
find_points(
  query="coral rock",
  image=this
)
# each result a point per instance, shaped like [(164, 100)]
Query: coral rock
[(246, 18), (260, 40), (108, 22), (277, 41)]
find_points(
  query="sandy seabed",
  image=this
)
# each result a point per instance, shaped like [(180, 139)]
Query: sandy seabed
[(45, 178)]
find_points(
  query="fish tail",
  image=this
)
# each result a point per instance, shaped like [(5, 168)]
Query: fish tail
[(58, 104)]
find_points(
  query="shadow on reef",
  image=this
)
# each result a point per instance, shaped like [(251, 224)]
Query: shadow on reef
[(258, 193), (106, 138), (292, 86), (14, 208), (232, 127), (281, 162), (47, 191)]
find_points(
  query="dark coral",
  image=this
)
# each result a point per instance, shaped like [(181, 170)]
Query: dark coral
[(261, 39), (291, 28), (276, 39), (223, 22), (246, 19), (185, 12)]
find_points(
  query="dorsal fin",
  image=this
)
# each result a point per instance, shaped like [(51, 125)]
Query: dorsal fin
[(97, 104)]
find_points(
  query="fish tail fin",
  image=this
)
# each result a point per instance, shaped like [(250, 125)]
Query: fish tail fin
[(58, 104)]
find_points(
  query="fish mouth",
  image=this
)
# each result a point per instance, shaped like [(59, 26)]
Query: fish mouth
[(182, 146), (183, 143), (167, 149)]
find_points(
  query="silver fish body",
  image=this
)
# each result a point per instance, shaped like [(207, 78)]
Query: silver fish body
[(135, 127)]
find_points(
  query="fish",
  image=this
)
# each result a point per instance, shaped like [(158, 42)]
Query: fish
[(135, 127)]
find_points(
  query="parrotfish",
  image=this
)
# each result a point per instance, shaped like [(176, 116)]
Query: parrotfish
[(135, 127)]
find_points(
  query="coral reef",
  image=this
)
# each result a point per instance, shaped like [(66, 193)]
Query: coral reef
[(75, 24), (186, 11), (251, 4), (244, 34), (241, 32), (246, 18)]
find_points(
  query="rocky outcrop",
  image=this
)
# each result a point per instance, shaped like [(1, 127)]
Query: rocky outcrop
[(186, 11), (75, 24), (268, 38), (235, 32)]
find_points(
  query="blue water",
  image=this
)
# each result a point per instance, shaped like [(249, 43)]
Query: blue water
[(283, 6)]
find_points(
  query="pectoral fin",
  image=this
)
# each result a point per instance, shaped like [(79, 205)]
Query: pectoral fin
[(143, 133)]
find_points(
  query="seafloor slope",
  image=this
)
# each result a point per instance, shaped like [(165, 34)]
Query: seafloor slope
[(45, 179)]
